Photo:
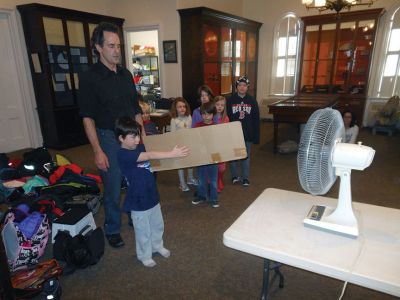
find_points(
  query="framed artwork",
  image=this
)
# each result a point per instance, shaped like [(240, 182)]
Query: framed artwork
[(170, 55)]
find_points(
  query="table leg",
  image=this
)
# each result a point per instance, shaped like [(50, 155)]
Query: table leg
[(275, 136), (265, 287), (267, 268)]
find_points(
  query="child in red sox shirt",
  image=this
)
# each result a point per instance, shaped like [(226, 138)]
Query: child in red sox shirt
[(244, 108)]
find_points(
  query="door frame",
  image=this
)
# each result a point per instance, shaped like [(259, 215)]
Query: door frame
[(128, 54), (18, 45)]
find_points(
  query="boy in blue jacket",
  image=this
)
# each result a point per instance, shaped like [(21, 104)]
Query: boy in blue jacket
[(142, 200)]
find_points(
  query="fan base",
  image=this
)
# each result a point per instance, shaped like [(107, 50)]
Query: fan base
[(319, 218)]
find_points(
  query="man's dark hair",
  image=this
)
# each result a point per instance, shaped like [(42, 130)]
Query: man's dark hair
[(125, 126), (208, 108), (98, 34)]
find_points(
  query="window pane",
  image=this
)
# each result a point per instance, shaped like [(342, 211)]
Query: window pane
[(280, 68), (394, 44), (292, 45), (75, 34), (390, 66), (291, 64), (282, 46), (53, 29)]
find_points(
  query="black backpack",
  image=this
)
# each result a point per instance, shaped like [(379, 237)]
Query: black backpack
[(35, 162), (83, 250)]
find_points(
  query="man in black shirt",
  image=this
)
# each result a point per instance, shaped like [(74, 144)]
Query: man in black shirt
[(107, 91)]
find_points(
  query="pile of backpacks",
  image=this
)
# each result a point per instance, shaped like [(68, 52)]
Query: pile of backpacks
[(35, 190)]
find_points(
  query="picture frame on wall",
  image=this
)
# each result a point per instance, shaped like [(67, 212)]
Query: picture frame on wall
[(170, 55)]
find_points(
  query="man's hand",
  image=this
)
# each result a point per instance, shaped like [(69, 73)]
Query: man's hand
[(101, 160)]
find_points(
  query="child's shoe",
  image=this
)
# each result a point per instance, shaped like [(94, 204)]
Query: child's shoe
[(193, 181), (184, 188), (164, 252), (149, 263), (235, 180), (198, 200), (214, 203)]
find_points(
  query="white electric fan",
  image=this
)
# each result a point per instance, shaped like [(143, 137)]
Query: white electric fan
[(321, 157)]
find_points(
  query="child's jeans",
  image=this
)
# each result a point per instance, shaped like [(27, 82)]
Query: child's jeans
[(149, 229), (245, 164), (208, 175)]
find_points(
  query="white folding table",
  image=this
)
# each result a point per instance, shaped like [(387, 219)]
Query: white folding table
[(272, 228)]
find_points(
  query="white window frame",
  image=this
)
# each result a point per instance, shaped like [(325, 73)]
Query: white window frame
[(278, 58), (381, 55)]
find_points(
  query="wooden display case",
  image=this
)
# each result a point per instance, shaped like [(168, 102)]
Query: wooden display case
[(336, 56), (216, 49), (58, 44)]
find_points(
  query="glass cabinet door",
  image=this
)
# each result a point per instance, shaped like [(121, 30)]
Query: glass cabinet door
[(79, 56), (364, 38), (91, 29), (251, 61), (58, 61), (226, 60), (211, 66), (325, 57), (344, 57), (311, 39), (240, 54)]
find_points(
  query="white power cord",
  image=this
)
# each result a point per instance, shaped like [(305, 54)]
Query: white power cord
[(360, 250)]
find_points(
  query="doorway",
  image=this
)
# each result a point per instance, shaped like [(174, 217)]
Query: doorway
[(142, 47), (19, 127)]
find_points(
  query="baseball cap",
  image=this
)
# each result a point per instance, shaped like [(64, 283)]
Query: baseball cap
[(243, 79)]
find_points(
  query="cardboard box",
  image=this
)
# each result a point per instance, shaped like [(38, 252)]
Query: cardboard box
[(208, 145)]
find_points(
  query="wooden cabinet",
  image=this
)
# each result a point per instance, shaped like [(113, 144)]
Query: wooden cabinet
[(336, 56), (58, 44), (216, 49)]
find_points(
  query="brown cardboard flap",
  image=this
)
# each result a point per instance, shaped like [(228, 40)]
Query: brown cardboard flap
[(209, 144)]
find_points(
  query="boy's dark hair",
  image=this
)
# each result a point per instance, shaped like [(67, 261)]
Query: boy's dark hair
[(207, 89), (125, 126), (208, 108), (98, 35)]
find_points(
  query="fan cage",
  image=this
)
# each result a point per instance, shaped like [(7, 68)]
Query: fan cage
[(314, 158)]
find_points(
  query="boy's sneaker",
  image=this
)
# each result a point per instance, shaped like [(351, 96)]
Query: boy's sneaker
[(164, 252), (149, 263), (184, 188), (245, 182), (235, 180), (215, 204), (193, 181), (198, 200)]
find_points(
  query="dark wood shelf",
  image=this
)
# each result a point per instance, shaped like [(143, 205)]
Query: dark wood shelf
[(55, 85)]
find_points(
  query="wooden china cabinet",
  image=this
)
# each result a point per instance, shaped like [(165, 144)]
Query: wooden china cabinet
[(336, 57), (216, 49), (58, 44)]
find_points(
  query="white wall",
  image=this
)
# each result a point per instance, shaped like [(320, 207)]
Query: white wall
[(164, 14), (145, 38)]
